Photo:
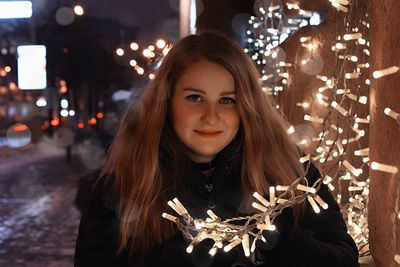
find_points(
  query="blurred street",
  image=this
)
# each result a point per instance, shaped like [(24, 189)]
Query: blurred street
[(38, 221)]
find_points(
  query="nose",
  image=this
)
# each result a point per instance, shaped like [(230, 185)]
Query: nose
[(210, 115)]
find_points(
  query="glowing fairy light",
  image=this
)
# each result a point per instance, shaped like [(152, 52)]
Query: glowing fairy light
[(380, 73), (391, 113), (384, 167)]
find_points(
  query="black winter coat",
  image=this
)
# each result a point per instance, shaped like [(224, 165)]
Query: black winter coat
[(318, 240)]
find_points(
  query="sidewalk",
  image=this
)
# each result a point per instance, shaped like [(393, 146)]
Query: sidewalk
[(13, 158)]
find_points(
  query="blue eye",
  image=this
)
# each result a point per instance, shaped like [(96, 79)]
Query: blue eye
[(194, 98), (227, 100)]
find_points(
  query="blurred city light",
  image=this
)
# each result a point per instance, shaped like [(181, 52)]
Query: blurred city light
[(64, 113), (134, 46), (99, 115), (79, 10), (133, 63), (120, 52), (41, 102), (32, 67), (65, 16), (72, 112), (161, 44), (15, 9), (64, 103)]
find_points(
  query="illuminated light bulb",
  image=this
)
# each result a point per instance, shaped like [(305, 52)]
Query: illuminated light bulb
[(282, 188), (362, 152), (212, 251), (313, 119), (152, 76), (339, 108), (380, 73), (261, 199), (64, 113), (355, 188), (212, 215), (140, 71), (363, 100), (351, 168), (175, 208), (322, 78), (169, 217), (361, 120), (120, 52), (322, 89), (134, 46), (78, 10), (361, 41), (340, 46), (161, 43), (384, 167), (305, 158), (342, 2), (313, 204), (305, 39), (352, 36), (245, 245), (352, 75), (273, 8), (272, 195), (189, 249), (290, 130), (366, 51), (71, 113), (7, 68), (391, 113), (331, 187), (352, 58), (179, 205), (321, 202), (340, 147), (233, 244), (306, 188), (259, 207), (132, 62)]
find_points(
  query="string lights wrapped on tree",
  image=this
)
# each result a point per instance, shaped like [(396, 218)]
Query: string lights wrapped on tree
[(341, 120)]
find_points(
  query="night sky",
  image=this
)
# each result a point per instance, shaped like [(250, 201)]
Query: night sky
[(150, 16)]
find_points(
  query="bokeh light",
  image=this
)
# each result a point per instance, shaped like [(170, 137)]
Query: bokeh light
[(18, 135), (311, 64), (79, 10), (65, 16), (92, 156)]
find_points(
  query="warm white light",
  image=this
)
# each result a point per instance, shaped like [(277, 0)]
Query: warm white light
[(391, 113), (384, 167), (160, 43), (120, 52), (79, 10), (71, 113), (133, 62), (380, 73), (134, 46), (64, 113), (41, 102)]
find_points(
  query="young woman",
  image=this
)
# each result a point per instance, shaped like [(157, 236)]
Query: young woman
[(204, 132)]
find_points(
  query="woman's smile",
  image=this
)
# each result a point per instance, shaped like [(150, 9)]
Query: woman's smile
[(208, 133)]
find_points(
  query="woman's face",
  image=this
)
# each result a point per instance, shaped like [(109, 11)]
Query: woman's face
[(204, 113)]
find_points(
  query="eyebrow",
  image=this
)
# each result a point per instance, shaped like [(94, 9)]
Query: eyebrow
[(203, 92)]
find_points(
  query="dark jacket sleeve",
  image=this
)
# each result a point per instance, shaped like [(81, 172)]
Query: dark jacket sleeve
[(98, 233), (318, 240)]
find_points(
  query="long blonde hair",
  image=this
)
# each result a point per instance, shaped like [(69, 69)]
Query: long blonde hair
[(145, 137)]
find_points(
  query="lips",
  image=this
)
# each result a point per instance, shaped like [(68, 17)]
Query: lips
[(208, 133)]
